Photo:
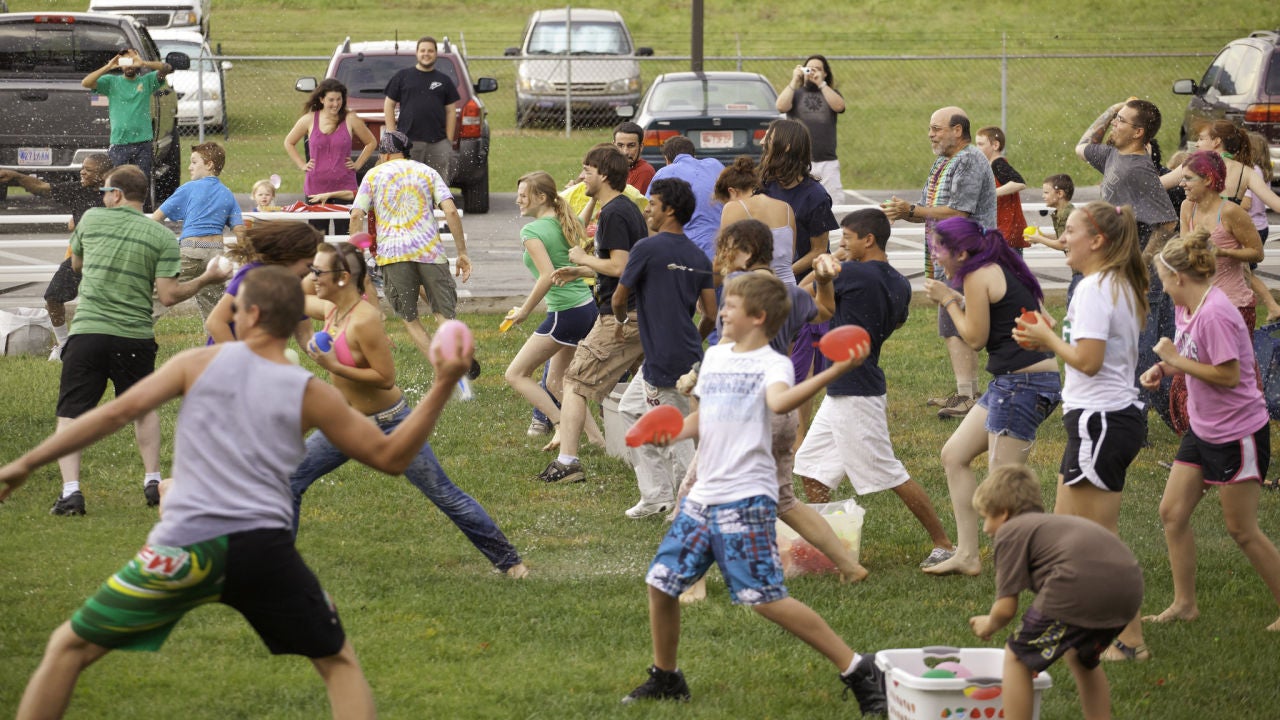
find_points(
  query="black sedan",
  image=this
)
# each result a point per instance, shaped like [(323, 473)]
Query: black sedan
[(725, 114)]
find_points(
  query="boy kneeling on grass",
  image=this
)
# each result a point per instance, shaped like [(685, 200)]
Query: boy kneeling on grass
[(730, 515), (1087, 582)]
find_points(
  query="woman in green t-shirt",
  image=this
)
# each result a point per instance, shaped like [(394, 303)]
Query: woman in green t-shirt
[(571, 311)]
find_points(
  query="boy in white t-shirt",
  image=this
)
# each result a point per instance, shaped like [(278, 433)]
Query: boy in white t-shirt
[(729, 516)]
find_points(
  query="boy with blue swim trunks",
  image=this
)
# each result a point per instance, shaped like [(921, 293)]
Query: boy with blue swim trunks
[(225, 534), (729, 516)]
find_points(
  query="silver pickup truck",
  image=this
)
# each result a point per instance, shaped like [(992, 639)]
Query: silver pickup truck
[(48, 122)]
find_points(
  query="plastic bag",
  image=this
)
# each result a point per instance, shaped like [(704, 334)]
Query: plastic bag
[(799, 557), (25, 331)]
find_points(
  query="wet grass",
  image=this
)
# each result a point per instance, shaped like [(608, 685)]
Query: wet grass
[(440, 635)]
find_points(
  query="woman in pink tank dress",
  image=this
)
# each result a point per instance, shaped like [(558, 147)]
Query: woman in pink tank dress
[(1237, 244), (330, 173)]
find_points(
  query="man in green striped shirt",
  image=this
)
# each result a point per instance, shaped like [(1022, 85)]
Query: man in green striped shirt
[(123, 256)]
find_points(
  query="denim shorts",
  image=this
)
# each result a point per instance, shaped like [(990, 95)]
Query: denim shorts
[(569, 326), (1017, 403), (738, 536)]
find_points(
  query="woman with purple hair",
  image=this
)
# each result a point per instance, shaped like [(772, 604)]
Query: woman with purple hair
[(1232, 233), (1026, 387)]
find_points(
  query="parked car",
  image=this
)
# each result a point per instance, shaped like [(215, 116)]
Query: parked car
[(584, 56), (366, 68), (189, 14), (725, 114), (1242, 85), (202, 89), (50, 122)]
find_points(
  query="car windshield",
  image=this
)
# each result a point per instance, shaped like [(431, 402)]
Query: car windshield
[(366, 76), (192, 51), (57, 48), (604, 38), (695, 95)]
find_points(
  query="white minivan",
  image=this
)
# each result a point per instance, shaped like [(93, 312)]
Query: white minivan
[(577, 58)]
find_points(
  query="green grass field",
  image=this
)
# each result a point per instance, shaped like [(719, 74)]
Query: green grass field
[(440, 635), (882, 144)]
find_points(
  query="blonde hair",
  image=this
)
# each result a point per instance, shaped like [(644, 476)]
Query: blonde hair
[(1122, 252), (263, 184), (1192, 254), (761, 295), (1009, 488), (541, 183)]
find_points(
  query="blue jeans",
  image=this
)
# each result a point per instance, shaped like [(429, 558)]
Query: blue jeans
[(133, 154), (1159, 324), (425, 474), (1017, 403)]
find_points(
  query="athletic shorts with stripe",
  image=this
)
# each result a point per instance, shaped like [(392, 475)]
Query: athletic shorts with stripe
[(257, 572)]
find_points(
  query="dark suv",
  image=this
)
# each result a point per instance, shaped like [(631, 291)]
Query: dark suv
[(1242, 85), (366, 68)]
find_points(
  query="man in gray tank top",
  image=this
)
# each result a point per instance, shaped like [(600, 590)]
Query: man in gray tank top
[(226, 530)]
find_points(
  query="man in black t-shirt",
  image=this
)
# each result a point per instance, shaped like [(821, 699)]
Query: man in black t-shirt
[(428, 100), (77, 197), (612, 346)]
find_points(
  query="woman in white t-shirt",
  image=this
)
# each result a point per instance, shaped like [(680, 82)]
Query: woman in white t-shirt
[(1104, 419)]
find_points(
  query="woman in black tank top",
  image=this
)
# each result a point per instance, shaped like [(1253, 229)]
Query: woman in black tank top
[(1026, 387)]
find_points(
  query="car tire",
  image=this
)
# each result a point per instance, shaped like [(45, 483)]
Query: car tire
[(167, 184), (475, 196)]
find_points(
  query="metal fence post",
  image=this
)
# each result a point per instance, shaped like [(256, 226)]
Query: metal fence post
[(568, 71), (1004, 82)]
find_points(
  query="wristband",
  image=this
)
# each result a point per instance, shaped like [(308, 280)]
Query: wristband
[(911, 211)]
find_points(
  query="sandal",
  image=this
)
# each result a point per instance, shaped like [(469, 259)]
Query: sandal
[(1121, 652)]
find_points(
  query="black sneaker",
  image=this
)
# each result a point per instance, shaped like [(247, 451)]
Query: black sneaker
[(474, 372), (867, 683), (661, 685), (559, 472), (72, 504), (152, 492)]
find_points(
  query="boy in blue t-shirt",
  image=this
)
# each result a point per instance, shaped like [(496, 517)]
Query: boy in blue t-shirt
[(849, 435), (205, 207), (730, 515)]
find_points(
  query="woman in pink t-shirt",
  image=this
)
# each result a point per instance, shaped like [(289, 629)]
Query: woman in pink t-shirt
[(1229, 443)]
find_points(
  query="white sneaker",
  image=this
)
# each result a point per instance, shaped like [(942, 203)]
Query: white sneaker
[(643, 509), (55, 355)]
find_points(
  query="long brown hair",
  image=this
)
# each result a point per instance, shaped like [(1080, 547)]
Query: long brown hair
[(315, 101), (1121, 253), (541, 183), (788, 153)]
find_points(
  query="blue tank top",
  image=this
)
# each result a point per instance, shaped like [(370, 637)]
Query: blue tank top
[(239, 438)]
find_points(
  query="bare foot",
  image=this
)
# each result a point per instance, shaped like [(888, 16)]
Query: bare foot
[(956, 565), (554, 444), (1174, 614), (518, 571), (697, 592), (857, 574)]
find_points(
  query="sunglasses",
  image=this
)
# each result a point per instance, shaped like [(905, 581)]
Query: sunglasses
[(108, 189), (317, 272)]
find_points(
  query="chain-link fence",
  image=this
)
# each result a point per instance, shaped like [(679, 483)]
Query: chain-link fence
[(1043, 101)]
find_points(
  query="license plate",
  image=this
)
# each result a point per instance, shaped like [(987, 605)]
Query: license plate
[(716, 139), (35, 156)]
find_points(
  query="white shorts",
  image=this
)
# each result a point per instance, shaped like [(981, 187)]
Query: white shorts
[(828, 173), (849, 436)]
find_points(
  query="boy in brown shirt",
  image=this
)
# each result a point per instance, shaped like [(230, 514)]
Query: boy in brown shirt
[(1087, 583)]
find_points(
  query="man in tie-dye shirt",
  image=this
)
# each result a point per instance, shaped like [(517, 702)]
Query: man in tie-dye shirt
[(402, 195)]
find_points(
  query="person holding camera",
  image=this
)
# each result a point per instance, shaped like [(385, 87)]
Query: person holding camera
[(129, 94), (811, 98)]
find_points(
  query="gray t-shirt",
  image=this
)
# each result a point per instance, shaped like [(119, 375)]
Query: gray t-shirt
[(239, 438), (962, 182), (1081, 573), (1131, 180), (811, 108)]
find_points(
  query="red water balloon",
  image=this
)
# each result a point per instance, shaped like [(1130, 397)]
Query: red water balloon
[(362, 240), (662, 420), (844, 342)]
